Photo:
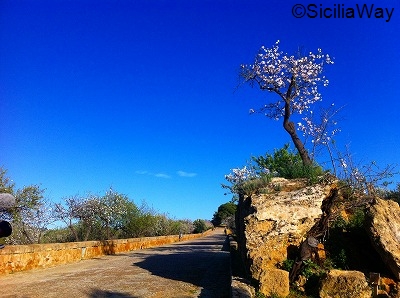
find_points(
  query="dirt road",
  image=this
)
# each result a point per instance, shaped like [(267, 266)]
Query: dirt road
[(197, 268)]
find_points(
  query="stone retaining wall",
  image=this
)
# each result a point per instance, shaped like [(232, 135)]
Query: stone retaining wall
[(16, 258)]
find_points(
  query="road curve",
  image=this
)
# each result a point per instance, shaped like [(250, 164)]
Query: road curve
[(196, 268)]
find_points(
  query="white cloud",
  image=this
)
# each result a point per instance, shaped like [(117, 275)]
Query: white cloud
[(158, 175), (142, 172), (186, 174), (162, 175)]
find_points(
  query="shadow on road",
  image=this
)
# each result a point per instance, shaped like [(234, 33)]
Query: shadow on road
[(205, 264), (96, 293)]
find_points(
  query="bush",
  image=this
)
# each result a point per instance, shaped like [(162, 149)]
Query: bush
[(200, 226), (288, 164), (253, 185), (357, 219), (258, 173), (224, 214), (287, 265)]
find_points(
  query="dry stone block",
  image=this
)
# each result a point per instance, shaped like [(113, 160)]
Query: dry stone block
[(384, 230), (274, 281), (270, 223), (345, 284)]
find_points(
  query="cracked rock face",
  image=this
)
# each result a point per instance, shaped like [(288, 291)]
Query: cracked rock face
[(383, 226), (274, 223), (345, 284), (270, 223)]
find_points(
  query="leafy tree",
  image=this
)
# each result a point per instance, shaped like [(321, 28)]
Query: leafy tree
[(145, 223), (295, 79), (112, 208), (78, 210), (6, 184), (67, 215), (224, 214), (184, 226), (31, 214), (93, 217), (129, 223), (200, 226)]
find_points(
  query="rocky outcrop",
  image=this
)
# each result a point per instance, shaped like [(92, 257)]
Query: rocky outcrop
[(383, 226), (274, 282), (345, 284), (271, 223)]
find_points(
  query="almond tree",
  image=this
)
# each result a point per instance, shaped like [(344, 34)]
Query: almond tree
[(79, 214), (112, 209), (31, 213), (295, 79)]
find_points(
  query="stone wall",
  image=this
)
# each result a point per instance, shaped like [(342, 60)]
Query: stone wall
[(16, 258)]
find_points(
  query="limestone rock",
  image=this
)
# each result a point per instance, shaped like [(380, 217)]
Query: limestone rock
[(383, 226), (345, 284), (269, 223), (241, 288), (274, 281)]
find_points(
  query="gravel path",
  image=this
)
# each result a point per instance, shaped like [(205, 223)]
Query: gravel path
[(196, 268)]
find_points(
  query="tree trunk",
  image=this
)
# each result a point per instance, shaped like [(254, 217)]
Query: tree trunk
[(290, 127), (70, 226)]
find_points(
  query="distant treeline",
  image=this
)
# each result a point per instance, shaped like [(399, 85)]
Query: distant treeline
[(81, 218)]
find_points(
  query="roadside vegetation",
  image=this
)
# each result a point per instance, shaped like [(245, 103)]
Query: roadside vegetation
[(80, 218)]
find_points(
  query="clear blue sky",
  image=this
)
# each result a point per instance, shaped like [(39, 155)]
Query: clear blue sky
[(141, 95)]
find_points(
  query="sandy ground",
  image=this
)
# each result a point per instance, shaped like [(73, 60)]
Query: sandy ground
[(196, 268)]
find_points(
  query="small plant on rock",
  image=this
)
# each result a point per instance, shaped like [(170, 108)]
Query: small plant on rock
[(288, 164)]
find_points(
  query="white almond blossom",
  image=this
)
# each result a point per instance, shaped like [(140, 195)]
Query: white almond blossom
[(274, 71), (295, 79)]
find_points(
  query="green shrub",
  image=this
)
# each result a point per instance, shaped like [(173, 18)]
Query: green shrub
[(287, 265), (288, 164), (253, 185), (225, 214), (339, 224), (200, 226), (271, 295), (357, 219), (312, 269), (259, 295)]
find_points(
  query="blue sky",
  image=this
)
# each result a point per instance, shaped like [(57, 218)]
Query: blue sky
[(142, 95)]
